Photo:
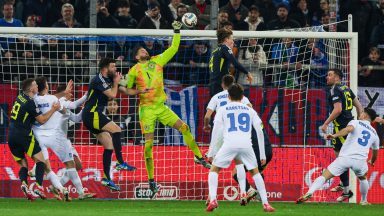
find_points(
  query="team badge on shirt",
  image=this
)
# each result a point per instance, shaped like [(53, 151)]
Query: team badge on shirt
[(151, 65)]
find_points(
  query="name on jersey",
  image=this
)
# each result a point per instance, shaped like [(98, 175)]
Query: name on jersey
[(222, 96), (237, 108), (43, 105), (367, 127), (22, 99)]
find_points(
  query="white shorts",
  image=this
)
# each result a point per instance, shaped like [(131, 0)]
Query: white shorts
[(60, 145), (342, 164), (227, 154)]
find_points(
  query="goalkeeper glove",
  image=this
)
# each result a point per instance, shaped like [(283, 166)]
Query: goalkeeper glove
[(123, 82), (176, 26)]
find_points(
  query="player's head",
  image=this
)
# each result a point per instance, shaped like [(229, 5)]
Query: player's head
[(107, 66), (224, 36), (235, 92), (227, 81), (42, 84), (141, 54), (368, 114), (29, 86), (334, 76), (113, 106)]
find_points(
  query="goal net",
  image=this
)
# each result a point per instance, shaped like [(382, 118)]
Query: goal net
[(288, 92)]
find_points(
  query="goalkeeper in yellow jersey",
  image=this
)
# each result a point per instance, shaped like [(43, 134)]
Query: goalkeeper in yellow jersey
[(147, 76)]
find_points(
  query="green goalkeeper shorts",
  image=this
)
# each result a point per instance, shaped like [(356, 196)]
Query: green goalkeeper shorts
[(149, 114)]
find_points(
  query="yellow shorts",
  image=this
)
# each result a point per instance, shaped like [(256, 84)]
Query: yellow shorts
[(149, 114)]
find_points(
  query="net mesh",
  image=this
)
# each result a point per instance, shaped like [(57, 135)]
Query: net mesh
[(288, 92)]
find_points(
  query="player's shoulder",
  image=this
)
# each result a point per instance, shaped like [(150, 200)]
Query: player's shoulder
[(221, 95)]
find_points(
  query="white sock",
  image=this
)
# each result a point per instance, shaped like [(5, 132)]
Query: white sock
[(52, 177), (64, 178), (259, 182), (241, 177), (212, 183), (346, 190), (316, 184), (364, 186), (74, 176)]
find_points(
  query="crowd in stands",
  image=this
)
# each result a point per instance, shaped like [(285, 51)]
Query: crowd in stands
[(193, 56)]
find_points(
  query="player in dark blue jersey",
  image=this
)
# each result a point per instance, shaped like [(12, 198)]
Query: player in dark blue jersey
[(21, 140), (102, 87), (220, 60), (341, 100)]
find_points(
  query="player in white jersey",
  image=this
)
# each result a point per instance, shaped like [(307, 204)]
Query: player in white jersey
[(353, 154), (53, 135), (237, 120)]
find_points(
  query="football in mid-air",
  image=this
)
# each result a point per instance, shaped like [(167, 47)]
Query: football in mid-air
[(189, 20)]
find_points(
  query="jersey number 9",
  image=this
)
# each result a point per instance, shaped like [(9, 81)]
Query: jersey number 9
[(15, 110)]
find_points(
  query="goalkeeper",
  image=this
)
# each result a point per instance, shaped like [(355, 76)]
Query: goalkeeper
[(147, 75)]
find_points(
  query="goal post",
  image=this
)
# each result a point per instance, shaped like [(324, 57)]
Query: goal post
[(288, 94)]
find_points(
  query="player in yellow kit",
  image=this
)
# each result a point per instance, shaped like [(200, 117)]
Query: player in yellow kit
[(147, 76)]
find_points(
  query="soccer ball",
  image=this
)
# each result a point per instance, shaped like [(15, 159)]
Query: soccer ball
[(189, 20)]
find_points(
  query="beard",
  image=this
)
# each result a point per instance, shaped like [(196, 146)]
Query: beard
[(145, 58), (111, 74)]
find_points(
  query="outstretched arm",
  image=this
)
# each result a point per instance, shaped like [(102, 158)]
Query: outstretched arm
[(168, 54), (74, 104)]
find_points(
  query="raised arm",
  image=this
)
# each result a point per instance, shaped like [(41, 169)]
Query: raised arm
[(74, 104), (168, 54), (75, 117), (112, 92)]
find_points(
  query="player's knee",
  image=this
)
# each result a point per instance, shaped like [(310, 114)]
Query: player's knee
[(184, 128)]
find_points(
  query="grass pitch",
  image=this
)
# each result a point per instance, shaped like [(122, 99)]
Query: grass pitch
[(22, 207)]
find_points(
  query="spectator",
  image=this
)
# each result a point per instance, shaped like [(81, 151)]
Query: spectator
[(138, 8), (253, 22), (41, 9), (18, 8), (283, 21), (153, 47), (267, 10), (55, 53), (324, 9), (222, 17), (236, 11), (371, 77), (104, 18), (319, 64), (227, 25), (124, 17), (119, 49), (377, 37), (114, 114), (203, 13), (30, 21), (284, 54), (302, 14), (173, 9), (377, 16), (68, 20), (152, 18), (181, 10), (198, 61), (8, 20), (252, 57)]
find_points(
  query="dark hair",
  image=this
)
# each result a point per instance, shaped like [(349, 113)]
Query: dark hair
[(236, 92), (41, 83), (371, 113), (60, 88), (254, 7), (181, 6), (227, 80), (26, 84), (375, 49), (104, 62), (123, 4), (282, 5), (135, 50), (223, 34), (337, 72)]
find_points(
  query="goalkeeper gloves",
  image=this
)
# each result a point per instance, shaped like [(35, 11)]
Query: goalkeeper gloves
[(176, 26), (123, 82)]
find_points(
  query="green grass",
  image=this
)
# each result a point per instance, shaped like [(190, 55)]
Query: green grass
[(14, 207)]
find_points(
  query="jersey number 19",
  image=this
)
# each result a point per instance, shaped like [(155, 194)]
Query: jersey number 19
[(243, 122)]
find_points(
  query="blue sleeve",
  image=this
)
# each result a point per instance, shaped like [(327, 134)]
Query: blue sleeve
[(101, 85), (229, 55), (336, 96)]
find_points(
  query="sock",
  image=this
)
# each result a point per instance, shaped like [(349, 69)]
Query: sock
[(346, 190), (189, 140), (74, 176), (316, 184), (148, 157), (364, 186), (344, 178), (259, 182), (116, 139), (23, 175), (33, 170), (52, 177), (212, 183), (64, 178), (247, 185), (40, 166), (241, 177), (107, 157)]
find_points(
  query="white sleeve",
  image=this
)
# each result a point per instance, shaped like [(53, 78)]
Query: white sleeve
[(376, 143), (353, 123), (75, 117), (212, 104), (257, 124), (74, 104), (245, 101)]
